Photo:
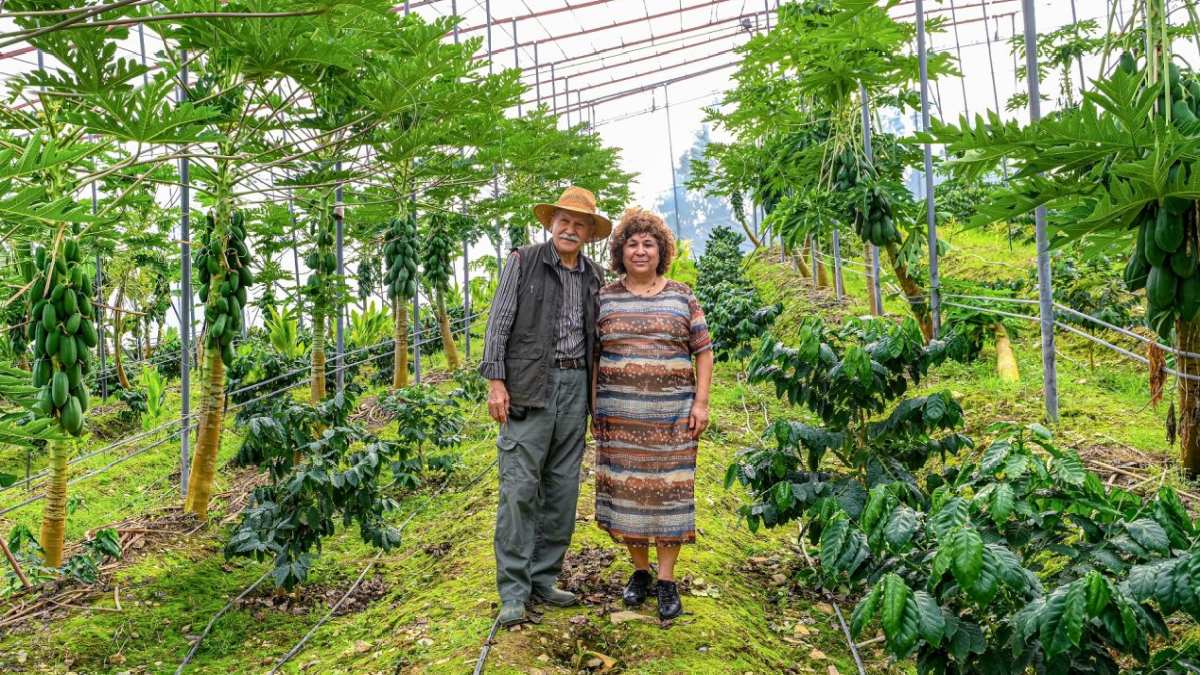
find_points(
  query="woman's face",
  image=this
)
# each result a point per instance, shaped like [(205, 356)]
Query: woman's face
[(641, 255)]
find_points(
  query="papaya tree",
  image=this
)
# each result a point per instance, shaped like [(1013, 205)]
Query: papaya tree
[(1118, 176), (441, 243), (401, 252)]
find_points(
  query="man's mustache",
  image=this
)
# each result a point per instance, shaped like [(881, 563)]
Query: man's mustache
[(568, 237)]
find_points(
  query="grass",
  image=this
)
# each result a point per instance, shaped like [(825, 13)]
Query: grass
[(439, 597)]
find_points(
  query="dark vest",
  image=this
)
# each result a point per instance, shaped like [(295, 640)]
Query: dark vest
[(531, 341)]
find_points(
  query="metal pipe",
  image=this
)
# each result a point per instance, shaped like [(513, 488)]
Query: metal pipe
[(554, 93), (995, 90), (537, 75), (1045, 294), (1078, 57), (837, 265), (671, 152), (872, 250), (962, 80), (339, 218), (930, 210), (185, 304), (516, 62)]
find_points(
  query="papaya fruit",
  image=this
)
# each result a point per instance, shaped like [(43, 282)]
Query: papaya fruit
[(218, 327), (70, 303), (53, 338), (1183, 263), (87, 333), (57, 294), (1168, 231), (72, 416), (74, 375), (76, 276), (1161, 286), (49, 317), (58, 389), (1189, 297), (83, 398), (246, 275), (85, 286), (41, 372), (241, 294), (68, 351), (1136, 271), (1155, 255), (1162, 321), (44, 405), (72, 324), (1128, 64), (227, 354)]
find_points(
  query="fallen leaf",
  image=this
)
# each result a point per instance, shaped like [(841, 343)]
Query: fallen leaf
[(817, 655), (834, 671), (801, 630), (362, 646), (626, 616), (601, 662), (824, 607)]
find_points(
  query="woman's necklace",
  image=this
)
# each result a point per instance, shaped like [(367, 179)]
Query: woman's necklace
[(649, 290)]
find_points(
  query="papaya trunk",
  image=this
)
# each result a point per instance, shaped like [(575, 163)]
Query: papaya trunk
[(317, 388), (400, 356), (822, 272), (749, 233), (448, 345), (208, 439), (1189, 397), (54, 517), (799, 264), (118, 329), (1006, 361), (914, 293)]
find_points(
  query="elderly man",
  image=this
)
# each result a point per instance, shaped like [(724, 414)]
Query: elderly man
[(538, 355)]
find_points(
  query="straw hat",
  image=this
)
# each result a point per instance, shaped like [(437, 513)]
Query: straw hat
[(576, 200)]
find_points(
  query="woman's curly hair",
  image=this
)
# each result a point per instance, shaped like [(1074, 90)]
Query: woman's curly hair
[(637, 220)]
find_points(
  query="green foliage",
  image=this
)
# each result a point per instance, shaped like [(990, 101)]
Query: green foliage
[(423, 415), (734, 312), (370, 326), (282, 332), (683, 268), (1011, 558), (156, 396)]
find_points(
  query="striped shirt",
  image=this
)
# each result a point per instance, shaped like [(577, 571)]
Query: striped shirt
[(570, 343)]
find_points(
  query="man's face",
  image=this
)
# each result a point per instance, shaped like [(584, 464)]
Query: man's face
[(570, 231)]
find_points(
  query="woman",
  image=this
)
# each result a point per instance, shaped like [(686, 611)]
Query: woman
[(651, 407)]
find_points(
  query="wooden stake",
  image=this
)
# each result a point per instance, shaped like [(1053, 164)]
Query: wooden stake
[(16, 567)]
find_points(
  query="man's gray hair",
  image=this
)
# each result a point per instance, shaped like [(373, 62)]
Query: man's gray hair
[(591, 220)]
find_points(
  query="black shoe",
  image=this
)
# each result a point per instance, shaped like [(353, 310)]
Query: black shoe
[(669, 604), (638, 588)]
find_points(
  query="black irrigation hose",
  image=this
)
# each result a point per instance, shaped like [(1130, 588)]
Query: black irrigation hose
[(487, 647), (300, 645)]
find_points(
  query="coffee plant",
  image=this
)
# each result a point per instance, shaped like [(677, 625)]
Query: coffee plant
[(734, 312), (1013, 558)]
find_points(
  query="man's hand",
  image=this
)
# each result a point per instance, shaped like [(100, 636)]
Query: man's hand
[(698, 420), (498, 401)]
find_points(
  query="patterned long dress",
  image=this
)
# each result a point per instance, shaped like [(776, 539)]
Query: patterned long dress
[(645, 455)]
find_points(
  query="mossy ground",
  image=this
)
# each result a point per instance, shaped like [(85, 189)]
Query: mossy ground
[(438, 598)]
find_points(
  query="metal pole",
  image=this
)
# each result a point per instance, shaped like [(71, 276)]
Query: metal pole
[(962, 79), (837, 265), (812, 254), (1045, 296), (537, 74), (499, 234), (567, 96), (1078, 58), (339, 218), (185, 306), (296, 264), (671, 152), (872, 250), (467, 293), (142, 50), (767, 12), (930, 211), (516, 60)]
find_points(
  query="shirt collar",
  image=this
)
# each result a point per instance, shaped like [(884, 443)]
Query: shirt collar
[(558, 261)]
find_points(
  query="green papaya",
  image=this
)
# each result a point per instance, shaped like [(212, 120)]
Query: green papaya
[(1189, 297), (1162, 320), (1127, 64), (85, 286), (203, 293), (58, 388), (67, 350), (41, 372), (1161, 286), (311, 260), (1136, 271), (56, 295), (76, 276), (234, 281), (221, 305), (218, 326), (70, 303), (212, 265), (235, 309), (39, 340), (72, 417), (1168, 231), (53, 338), (1155, 255), (71, 249), (39, 256), (1176, 205), (87, 333), (49, 317), (72, 324), (74, 375), (241, 294), (60, 267), (227, 354), (84, 399), (1182, 113), (1173, 74), (44, 405), (1183, 263), (85, 308), (246, 275)]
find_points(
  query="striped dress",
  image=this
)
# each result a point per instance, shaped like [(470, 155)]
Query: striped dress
[(645, 456)]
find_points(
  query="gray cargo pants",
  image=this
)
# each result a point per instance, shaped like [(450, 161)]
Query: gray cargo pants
[(539, 487)]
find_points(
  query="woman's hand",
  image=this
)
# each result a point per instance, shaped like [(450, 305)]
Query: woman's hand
[(698, 419)]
